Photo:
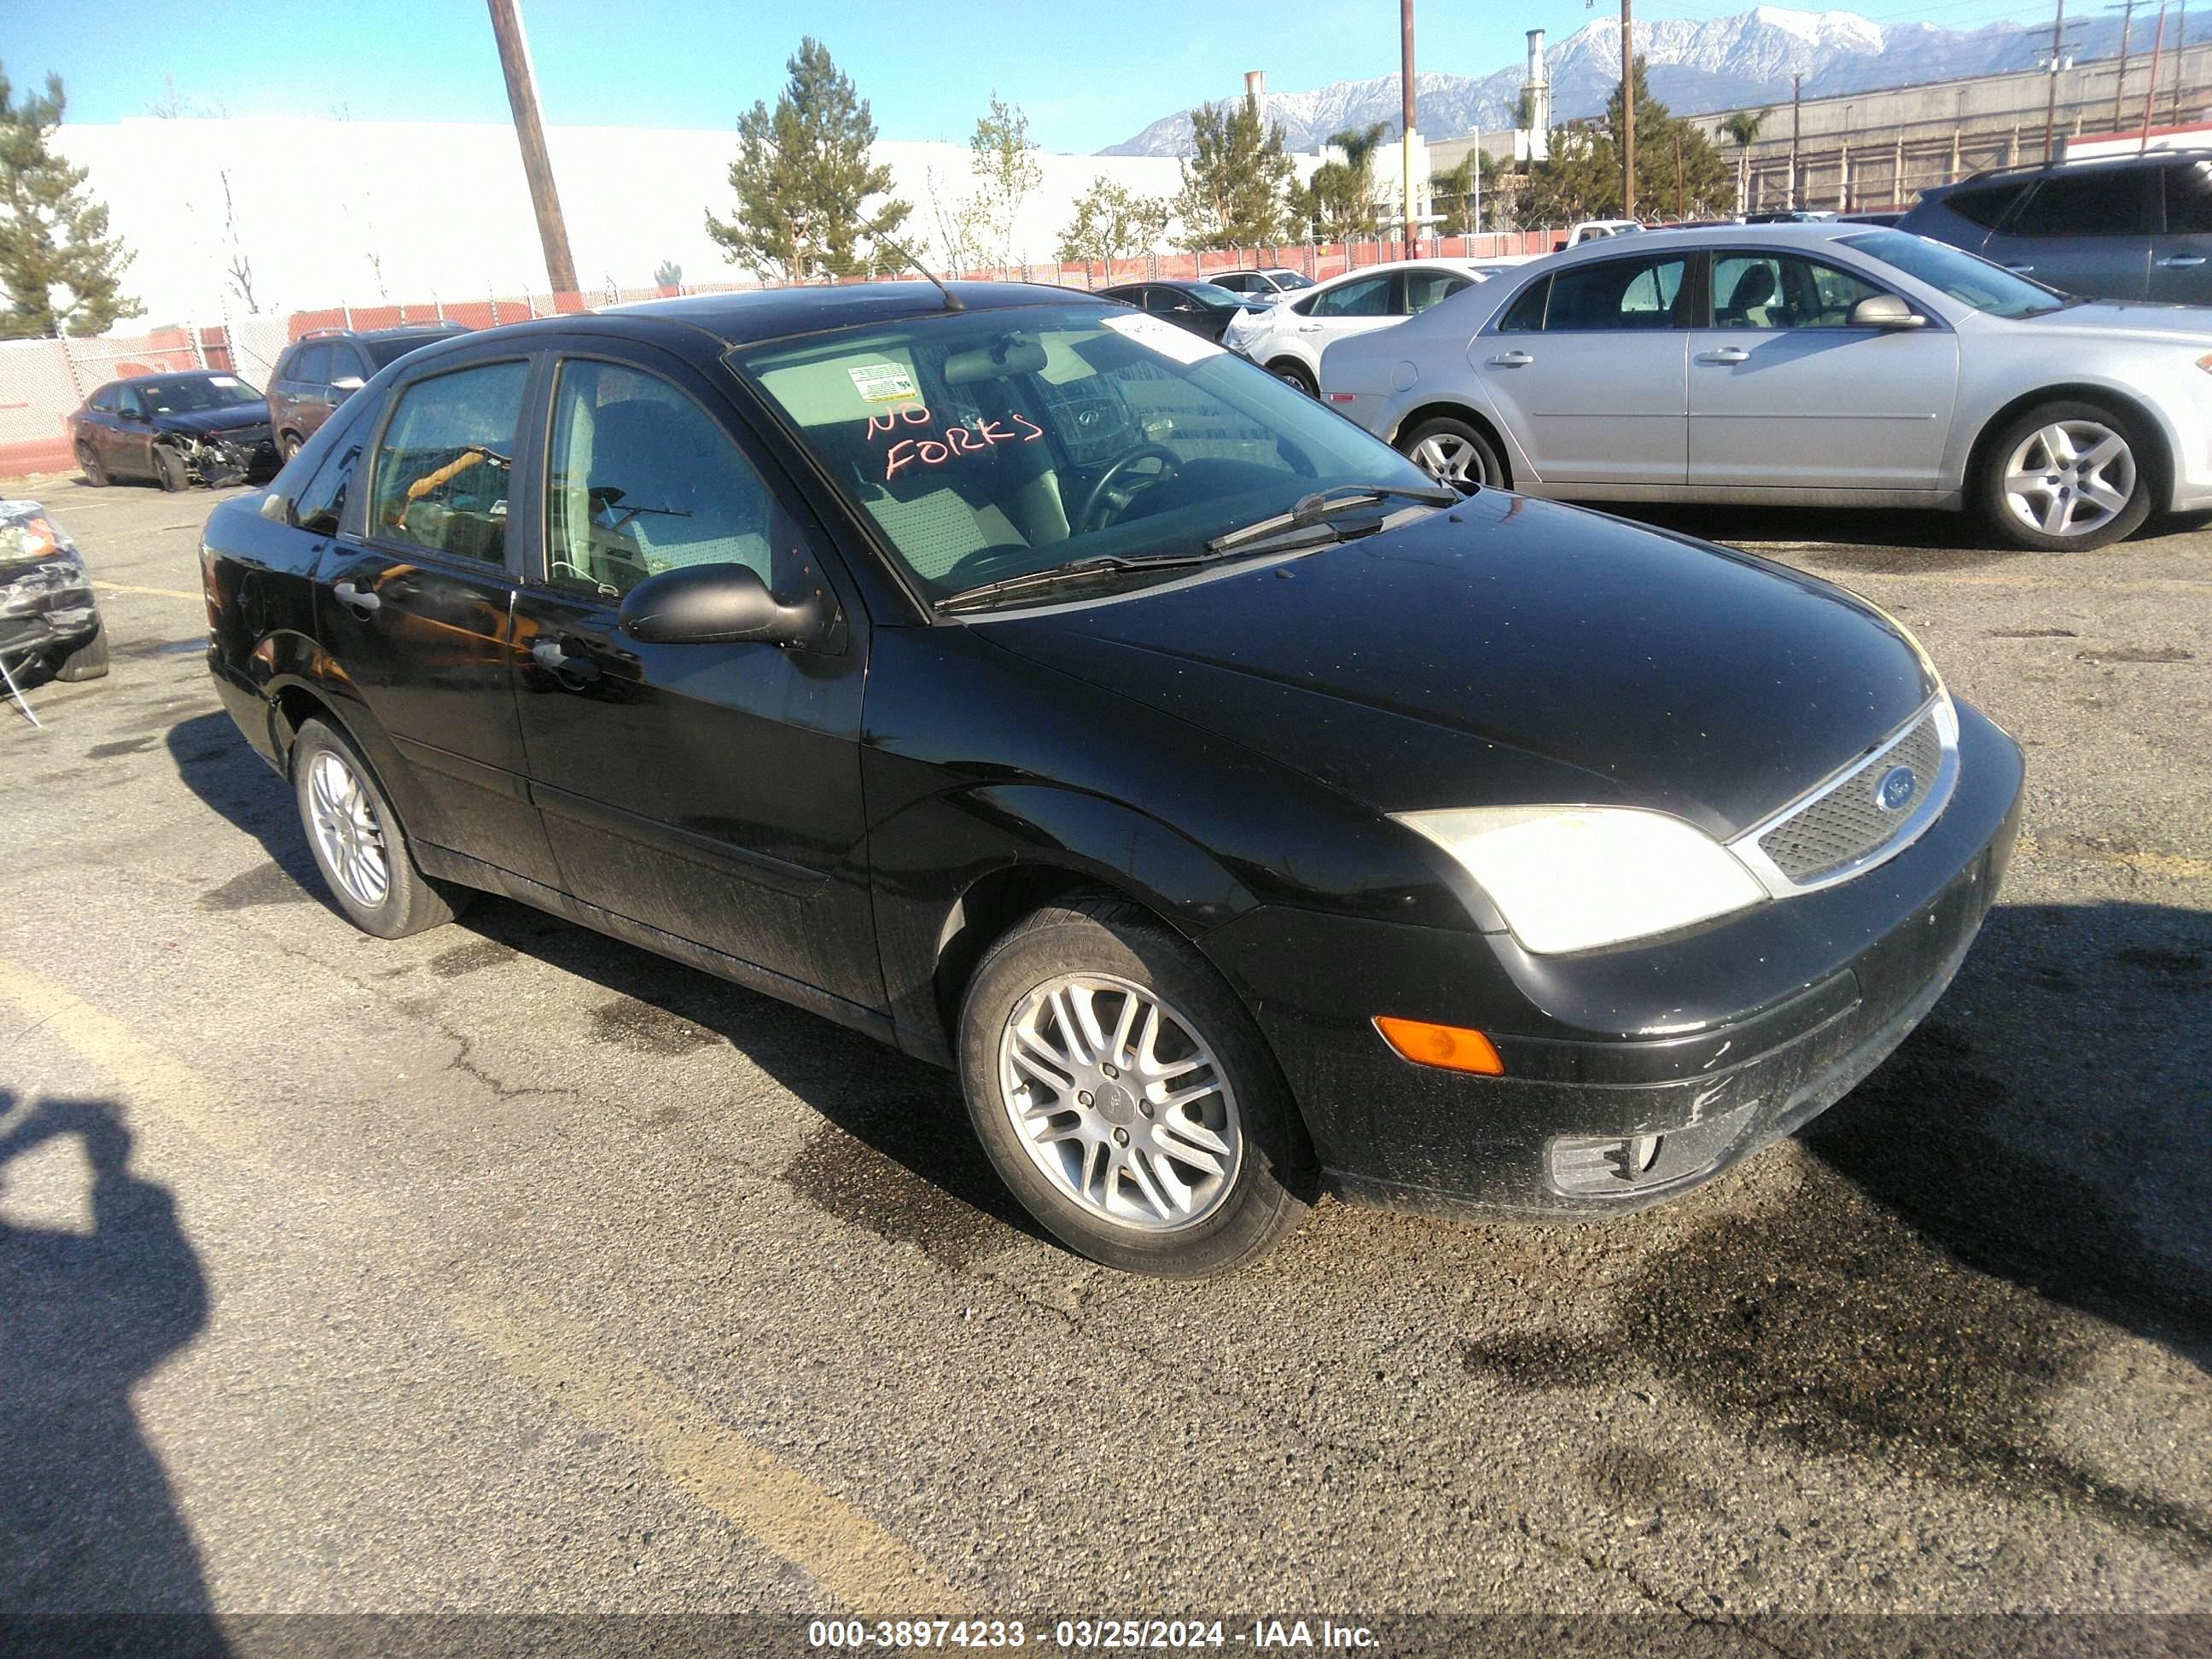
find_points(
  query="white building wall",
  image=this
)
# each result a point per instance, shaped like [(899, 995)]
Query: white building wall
[(360, 212)]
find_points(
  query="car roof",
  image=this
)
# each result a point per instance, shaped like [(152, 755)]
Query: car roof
[(168, 374), (2030, 170), (756, 314), (1465, 267), (1659, 242)]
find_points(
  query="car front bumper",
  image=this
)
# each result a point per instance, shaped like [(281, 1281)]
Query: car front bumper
[(44, 607), (1630, 1075)]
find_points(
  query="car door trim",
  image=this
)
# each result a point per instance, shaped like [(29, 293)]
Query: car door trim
[(722, 857)]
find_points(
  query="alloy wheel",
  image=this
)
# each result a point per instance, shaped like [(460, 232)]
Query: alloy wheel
[(347, 831), (1449, 458), (1120, 1102), (2069, 479)]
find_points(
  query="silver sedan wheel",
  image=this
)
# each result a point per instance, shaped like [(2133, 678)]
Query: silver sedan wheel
[(2069, 477), (1120, 1102), (1450, 459), (347, 832)]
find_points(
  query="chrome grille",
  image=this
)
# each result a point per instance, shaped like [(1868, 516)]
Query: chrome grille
[(1847, 823)]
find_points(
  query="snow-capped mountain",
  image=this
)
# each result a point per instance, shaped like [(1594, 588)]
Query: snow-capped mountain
[(1720, 63)]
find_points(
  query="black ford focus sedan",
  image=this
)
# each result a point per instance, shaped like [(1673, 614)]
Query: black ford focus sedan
[(1024, 681)]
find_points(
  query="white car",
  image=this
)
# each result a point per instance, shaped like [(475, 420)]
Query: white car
[(1276, 284), (1287, 339), (1820, 365)]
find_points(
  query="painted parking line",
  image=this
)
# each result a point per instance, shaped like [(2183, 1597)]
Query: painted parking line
[(867, 1569), (2068, 850), (158, 592)]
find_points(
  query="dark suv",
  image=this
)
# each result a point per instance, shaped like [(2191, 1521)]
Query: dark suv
[(2129, 227), (320, 370)]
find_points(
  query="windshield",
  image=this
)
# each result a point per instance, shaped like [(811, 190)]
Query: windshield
[(985, 445), (1966, 277), (193, 394)]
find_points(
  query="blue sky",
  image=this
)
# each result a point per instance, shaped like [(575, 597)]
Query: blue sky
[(1088, 74)]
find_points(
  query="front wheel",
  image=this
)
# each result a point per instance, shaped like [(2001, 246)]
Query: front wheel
[(2066, 478), (288, 445), (169, 469), (1125, 1096), (359, 846), (1456, 453)]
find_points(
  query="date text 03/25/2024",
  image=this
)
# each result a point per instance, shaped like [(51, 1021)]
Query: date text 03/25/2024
[(1090, 1634)]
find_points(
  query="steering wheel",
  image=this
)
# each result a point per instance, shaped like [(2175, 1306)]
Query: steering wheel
[(1102, 505)]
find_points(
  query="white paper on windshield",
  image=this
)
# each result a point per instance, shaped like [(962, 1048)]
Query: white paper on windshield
[(1178, 344), (223, 379), (882, 383)]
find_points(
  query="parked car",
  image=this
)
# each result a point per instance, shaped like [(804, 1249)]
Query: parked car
[(1596, 230), (321, 369), (1275, 282), (1885, 216), (49, 620), (1039, 688), (1789, 217), (201, 427), (1287, 339), (2119, 228), (1200, 308), (1831, 365)]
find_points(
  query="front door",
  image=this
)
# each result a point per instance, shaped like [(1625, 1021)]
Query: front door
[(1586, 372), (127, 445), (1785, 393), (711, 792), (414, 598)]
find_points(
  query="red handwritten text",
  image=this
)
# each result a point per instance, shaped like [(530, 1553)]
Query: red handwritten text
[(957, 441)]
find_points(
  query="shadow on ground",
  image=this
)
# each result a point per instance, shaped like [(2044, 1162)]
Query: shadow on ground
[(87, 1521)]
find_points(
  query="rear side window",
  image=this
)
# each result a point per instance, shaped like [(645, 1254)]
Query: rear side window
[(1618, 293), (446, 460), (2189, 199), (2102, 202), (1985, 205), (1526, 314)]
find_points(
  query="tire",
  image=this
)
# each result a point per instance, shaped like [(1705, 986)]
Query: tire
[(2028, 480), (1290, 371), (358, 844), (1147, 1209), (288, 444), (169, 469), (1454, 452), (88, 463), (88, 661)]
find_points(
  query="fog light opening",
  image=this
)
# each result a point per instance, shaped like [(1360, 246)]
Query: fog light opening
[(1452, 1047)]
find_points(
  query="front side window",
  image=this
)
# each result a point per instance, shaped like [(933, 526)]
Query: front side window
[(127, 401), (984, 445), (1776, 290), (445, 461), (105, 400), (643, 480), (2189, 199), (1424, 287), (313, 365), (1367, 298), (1617, 294)]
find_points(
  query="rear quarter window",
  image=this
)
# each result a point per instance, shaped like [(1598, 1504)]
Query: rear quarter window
[(1985, 204)]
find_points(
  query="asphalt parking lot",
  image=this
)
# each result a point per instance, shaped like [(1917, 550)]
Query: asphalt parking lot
[(508, 1267)]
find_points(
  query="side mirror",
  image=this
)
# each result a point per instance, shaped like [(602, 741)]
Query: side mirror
[(276, 507), (137, 415), (1885, 311), (716, 605), (348, 383)]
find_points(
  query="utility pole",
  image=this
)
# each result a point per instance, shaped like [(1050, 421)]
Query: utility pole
[(1406, 112), (2050, 103), (2150, 98), (2127, 10), (1679, 213), (530, 132), (1797, 110), (1627, 115)]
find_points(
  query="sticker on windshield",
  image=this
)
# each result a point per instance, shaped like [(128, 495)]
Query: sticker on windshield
[(1166, 338), (223, 379), (883, 383)]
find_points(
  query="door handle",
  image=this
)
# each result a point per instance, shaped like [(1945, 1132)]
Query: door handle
[(2182, 259), (1512, 360), (572, 671), (1725, 354), (2021, 267), (363, 605), (1309, 328)]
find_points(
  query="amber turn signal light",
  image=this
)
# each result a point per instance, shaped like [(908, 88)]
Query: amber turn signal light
[(1455, 1048)]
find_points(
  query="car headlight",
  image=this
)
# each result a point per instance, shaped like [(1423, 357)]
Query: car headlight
[(1576, 878)]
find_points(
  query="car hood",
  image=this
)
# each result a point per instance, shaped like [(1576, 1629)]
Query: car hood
[(1512, 652), (2183, 325), (203, 423)]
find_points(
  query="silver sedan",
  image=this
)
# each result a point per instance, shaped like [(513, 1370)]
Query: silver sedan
[(1825, 365)]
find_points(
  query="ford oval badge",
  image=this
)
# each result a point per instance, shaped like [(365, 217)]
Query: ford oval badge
[(1895, 789)]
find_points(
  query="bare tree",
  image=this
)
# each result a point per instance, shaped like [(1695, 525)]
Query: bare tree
[(240, 269)]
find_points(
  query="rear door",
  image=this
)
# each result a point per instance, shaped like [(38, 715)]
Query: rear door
[(2084, 231), (1587, 371), (710, 792), (2181, 263), (415, 600), (1784, 393)]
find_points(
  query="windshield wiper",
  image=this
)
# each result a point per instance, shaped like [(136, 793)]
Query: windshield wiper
[(1057, 573), (1322, 505)]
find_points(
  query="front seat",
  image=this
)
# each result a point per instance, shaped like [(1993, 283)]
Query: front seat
[(1749, 301)]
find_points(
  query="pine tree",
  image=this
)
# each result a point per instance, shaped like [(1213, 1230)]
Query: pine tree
[(803, 177), (53, 235), (1005, 163), (1582, 180), (1235, 186)]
